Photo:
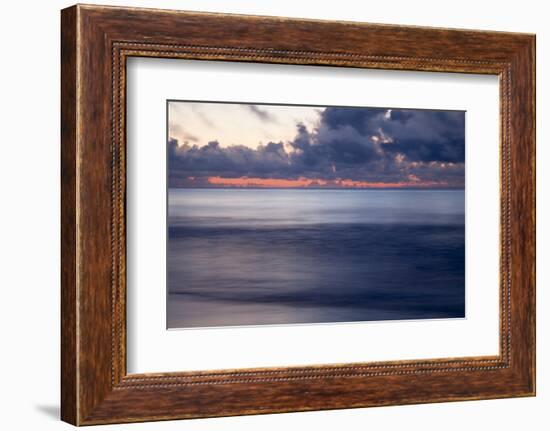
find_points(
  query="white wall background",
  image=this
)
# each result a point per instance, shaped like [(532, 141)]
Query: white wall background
[(29, 215)]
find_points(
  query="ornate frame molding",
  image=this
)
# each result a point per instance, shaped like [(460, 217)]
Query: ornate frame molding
[(96, 41)]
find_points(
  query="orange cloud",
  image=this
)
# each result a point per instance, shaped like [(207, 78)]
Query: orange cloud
[(306, 182)]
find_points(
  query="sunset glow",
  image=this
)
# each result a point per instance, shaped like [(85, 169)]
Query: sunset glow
[(302, 182)]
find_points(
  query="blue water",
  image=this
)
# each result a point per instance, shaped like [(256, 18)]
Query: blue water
[(272, 256)]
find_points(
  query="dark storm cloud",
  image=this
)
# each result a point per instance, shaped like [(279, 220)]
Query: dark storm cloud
[(361, 144), (262, 114), (420, 135), (359, 119), (233, 161), (427, 135)]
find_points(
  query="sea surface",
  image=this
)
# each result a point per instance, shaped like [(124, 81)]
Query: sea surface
[(278, 256)]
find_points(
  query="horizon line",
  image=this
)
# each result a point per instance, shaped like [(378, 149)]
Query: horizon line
[(313, 188)]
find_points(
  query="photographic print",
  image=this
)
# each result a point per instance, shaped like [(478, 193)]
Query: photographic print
[(300, 214)]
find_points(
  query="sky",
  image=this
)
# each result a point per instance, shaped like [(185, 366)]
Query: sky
[(290, 146)]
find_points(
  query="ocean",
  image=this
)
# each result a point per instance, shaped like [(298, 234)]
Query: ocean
[(287, 256)]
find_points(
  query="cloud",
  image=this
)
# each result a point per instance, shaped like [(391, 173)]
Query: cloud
[(203, 117), (356, 144), (262, 114), (234, 161), (420, 135), (177, 130), (427, 135)]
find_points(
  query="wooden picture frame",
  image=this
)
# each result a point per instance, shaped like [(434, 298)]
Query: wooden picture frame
[(95, 43)]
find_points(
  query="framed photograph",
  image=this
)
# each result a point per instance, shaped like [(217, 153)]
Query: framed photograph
[(264, 214)]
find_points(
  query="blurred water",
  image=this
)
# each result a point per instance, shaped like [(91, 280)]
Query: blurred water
[(273, 256)]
